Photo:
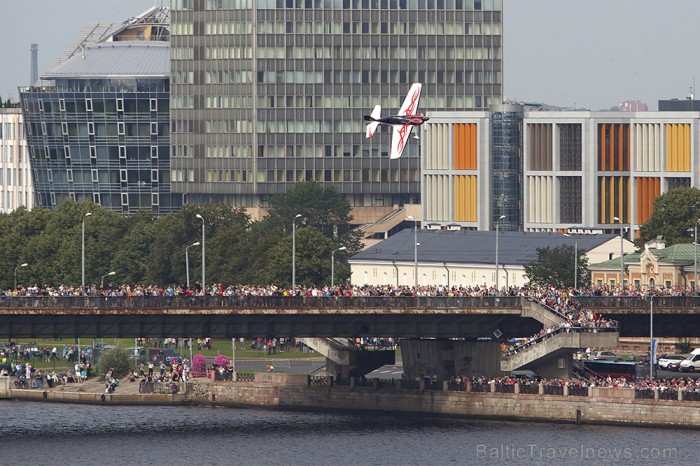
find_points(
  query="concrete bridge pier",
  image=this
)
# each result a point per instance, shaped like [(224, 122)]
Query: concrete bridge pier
[(4, 386), (442, 359)]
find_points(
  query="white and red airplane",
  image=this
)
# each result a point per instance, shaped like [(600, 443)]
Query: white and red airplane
[(402, 123)]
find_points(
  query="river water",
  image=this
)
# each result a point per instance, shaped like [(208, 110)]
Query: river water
[(70, 434)]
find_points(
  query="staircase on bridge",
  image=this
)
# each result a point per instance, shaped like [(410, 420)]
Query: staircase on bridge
[(552, 355), (345, 358)]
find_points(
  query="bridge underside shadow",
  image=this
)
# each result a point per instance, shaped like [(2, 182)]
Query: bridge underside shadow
[(233, 325)]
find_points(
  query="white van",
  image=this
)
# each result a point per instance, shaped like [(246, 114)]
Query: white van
[(692, 362)]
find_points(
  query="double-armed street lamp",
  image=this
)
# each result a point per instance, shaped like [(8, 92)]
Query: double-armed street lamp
[(187, 262), (102, 281), (498, 223), (294, 252), (82, 282), (343, 248), (204, 258), (21, 265)]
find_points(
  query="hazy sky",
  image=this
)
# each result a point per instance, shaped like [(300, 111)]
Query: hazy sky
[(587, 53)]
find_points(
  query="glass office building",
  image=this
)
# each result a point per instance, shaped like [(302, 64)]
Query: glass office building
[(98, 124), (268, 93)]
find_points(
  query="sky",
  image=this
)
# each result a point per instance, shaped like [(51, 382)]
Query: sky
[(570, 53)]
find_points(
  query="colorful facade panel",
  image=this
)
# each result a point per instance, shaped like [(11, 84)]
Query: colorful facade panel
[(677, 147), (648, 152), (466, 198), (465, 146), (613, 147), (613, 195), (648, 189), (540, 146)]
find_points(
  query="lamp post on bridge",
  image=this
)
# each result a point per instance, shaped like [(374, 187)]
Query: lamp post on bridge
[(102, 281), (187, 262), (498, 222), (204, 258), (294, 253), (622, 253), (343, 248), (21, 265), (82, 255)]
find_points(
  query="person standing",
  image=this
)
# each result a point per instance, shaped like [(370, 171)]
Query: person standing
[(150, 368)]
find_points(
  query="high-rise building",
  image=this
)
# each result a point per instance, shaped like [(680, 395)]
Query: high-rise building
[(98, 122), (268, 93), (16, 188)]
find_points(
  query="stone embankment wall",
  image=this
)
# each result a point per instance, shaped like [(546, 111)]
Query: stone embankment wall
[(601, 406)]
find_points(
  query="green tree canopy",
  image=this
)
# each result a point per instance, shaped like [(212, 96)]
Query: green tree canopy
[(554, 266), (674, 217)]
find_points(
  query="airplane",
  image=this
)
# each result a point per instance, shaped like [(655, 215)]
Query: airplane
[(402, 123)]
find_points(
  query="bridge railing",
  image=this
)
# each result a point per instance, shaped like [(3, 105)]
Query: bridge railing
[(637, 302), (255, 302)]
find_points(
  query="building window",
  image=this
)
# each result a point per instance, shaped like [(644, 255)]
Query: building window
[(95, 178), (125, 199), (49, 174), (41, 105), (154, 152), (64, 129), (154, 129), (154, 105), (96, 198), (88, 105), (70, 175), (154, 176), (53, 198), (62, 105), (120, 105), (91, 128), (121, 128), (93, 152), (155, 199), (66, 151), (122, 152), (122, 176)]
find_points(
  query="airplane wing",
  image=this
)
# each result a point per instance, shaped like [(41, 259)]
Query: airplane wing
[(399, 139), (410, 105)]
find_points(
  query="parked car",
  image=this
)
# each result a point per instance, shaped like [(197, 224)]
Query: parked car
[(668, 360), (604, 356)]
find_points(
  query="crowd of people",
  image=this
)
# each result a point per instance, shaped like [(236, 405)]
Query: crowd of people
[(219, 289)]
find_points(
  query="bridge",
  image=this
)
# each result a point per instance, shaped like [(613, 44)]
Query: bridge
[(268, 316)]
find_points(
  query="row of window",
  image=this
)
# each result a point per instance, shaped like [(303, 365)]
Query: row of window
[(133, 177), (377, 77), (137, 199), (378, 52), (99, 152), (299, 176), (139, 105), (469, 5), (103, 129), (351, 27)]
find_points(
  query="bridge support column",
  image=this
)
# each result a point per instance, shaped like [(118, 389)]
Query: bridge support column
[(4, 386)]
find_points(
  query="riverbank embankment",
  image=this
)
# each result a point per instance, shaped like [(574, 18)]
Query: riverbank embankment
[(597, 405)]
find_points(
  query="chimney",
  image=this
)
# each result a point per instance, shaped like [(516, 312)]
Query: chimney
[(34, 69)]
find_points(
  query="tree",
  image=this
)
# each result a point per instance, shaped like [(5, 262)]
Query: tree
[(674, 217), (118, 359), (554, 267)]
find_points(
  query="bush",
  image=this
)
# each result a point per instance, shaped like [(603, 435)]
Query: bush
[(199, 364), (684, 346), (118, 359), (221, 360)]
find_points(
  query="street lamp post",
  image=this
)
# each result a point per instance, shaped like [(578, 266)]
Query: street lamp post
[(204, 258), (498, 222), (415, 254), (622, 254), (83, 252), (651, 336), (187, 262), (343, 248), (21, 265), (294, 252), (102, 282), (695, 259)]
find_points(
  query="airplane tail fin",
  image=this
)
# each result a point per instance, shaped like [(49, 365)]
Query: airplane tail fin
[(372, 124)]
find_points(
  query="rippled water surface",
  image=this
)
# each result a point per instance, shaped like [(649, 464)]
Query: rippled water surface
[(57, 434)]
